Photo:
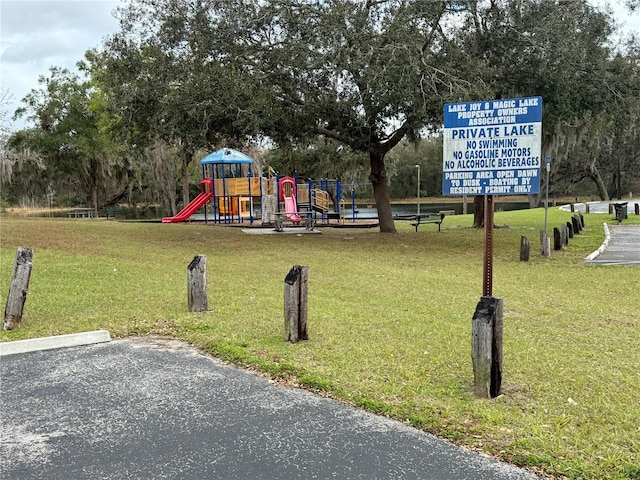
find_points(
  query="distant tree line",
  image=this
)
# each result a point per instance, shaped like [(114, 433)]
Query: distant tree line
[(352, 89)]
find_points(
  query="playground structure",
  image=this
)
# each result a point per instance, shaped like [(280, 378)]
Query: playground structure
[(229, 194)]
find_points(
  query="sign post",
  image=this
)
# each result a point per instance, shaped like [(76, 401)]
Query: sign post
[(546, 203), (487, 263), (491, 147), (418, 202)]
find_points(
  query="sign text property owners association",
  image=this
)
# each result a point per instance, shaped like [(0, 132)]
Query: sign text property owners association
[(492, 147)]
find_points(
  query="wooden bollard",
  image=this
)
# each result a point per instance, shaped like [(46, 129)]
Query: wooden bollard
[(486, 347), (581, 218), (525, 248), (570, 229), (545, 244), (610, 208), (18, 288), (573, 208), (295, 304), (565, 234), (197, 284), (637, 208), (557, 239), (576, 225)]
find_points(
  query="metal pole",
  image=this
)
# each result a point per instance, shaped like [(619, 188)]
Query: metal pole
[(546, 204), (487, 274), (418, 201)]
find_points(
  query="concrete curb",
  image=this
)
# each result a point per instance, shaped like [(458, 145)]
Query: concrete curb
[(50, 343), (607, 237)]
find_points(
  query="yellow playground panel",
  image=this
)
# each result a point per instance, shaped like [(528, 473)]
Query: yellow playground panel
[(235, 195), (235, 187)]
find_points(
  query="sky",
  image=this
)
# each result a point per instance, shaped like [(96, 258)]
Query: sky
[(36, 34)]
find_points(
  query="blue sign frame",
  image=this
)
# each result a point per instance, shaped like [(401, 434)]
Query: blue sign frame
[(492, 147)]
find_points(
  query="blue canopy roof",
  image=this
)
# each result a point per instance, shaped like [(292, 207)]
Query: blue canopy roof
[(226, 156)]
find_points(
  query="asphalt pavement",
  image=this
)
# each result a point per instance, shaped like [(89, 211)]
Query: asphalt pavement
[(152, 408), (621, 246)]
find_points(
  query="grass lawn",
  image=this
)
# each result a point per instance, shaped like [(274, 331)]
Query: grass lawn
[(389, 322)]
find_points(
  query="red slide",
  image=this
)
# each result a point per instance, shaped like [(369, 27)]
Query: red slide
[(190, 209)]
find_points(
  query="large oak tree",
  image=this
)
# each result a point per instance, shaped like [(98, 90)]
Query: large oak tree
[(364, 73)]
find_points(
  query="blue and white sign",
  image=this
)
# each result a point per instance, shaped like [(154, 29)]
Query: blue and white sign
[(492, 147)]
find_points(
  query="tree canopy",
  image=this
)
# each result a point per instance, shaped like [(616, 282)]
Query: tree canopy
[(332, 83)]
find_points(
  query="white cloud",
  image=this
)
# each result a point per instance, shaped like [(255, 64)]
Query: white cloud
[(36, 35)]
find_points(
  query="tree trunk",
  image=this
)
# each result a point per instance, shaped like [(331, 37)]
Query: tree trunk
[(478, 211), (534, 199), (94, 200), (185, 181), (378, 179), (594, 174)]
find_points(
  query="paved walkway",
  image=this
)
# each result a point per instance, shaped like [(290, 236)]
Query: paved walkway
[(621, 246), (601, 207), (145, 408)]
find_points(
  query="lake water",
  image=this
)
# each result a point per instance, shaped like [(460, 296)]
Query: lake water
[(362, 210), (367, 211)]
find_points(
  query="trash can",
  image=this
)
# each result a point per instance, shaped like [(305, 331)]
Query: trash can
[(621, 211)]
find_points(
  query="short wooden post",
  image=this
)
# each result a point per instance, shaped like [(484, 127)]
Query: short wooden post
[(197, 284), (18, 288), (545, 244), (587, 208), (576, 225), (295, 304), (610, 208), (573, 208), (637, 208), (486, 347), (565, 234), (581, 218), (525, 248), (557, 239), (570, 228)]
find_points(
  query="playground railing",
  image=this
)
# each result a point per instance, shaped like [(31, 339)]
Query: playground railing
[(319, 200)]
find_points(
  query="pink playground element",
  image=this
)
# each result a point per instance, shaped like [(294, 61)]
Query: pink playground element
[(288, 195), (194, 205)]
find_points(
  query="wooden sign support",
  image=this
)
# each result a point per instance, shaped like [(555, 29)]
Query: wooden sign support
[(486, 335), (486, 347), (295, 304), (197, 284), (18, 288)]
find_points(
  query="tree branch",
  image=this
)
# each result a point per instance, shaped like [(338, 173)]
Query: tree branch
[(336, 136)]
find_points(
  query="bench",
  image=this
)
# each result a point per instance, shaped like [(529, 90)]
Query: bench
[(81, 213), (112, 210), (308, 220), (428, 218)]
